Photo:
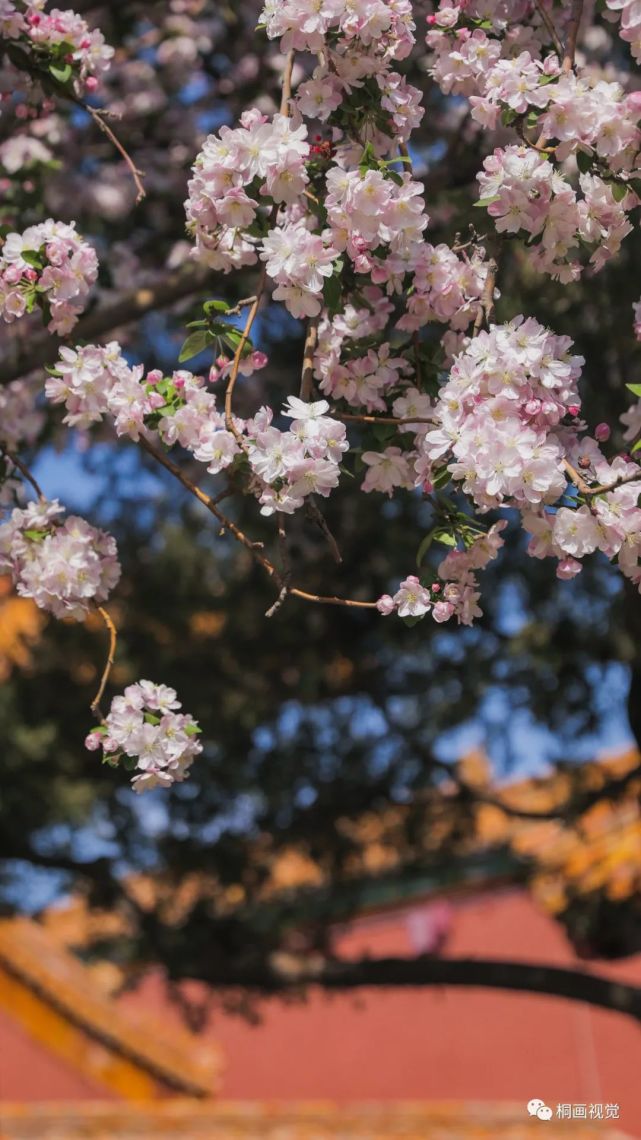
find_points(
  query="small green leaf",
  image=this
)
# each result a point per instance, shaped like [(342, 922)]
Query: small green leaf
[(619, 191), (194, 344), (412, 620), (637, 445), (192, 730), (32, 258), (61, 74), (151, 718), (487, 201), (583, 161), (332, 294), (634, 388), (35, 535), (441, 478), (424, 547), (444, 536), (216, 307)]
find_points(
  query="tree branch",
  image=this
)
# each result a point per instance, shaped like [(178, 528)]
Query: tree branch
[(286, 971), (42, 350)]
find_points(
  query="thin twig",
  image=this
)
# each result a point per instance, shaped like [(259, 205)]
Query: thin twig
[(24, 471), (545, 16), (238, 355), (98, 117), (353, 418), (316, 515), (572, 36), (254, 548), (287, 83), (111, 656), (285, 565), (601, 488), (487, 298), (307, 374)]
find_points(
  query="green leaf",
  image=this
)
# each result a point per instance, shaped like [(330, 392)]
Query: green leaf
[(32, 258), (62, 74), (151, 718), (441, 478), (232, 338), (332, 294), (583, 161), (619, 191), (487, 201), (637, 445), (216, 307), (424, 547), (444, 536), (194, 344), (192, 730), (368, 159), (412, 620), (35, 535), (634, 388)]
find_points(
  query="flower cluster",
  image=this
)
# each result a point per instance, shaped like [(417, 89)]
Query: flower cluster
[(58, 42), (525, 194), (48, 266), (144, 730), (237, 173), (454, 593), (286, 467), (505, 68), (359, 41), (65, 566), (367, 209), (609, 522), (446, 287), (297, 463), (500, 414)]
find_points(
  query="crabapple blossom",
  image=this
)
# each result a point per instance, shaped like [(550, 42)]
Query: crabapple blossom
[(65, 566), (145, 730), (49, 266), (59, 41), (410, 386)]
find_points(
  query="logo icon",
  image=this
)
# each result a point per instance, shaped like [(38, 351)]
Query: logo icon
[(539, 1109)]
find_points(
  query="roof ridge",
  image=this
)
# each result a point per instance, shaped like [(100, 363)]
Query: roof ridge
[(57, 977)]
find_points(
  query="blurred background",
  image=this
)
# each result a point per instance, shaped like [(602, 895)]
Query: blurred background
[(368, 792)]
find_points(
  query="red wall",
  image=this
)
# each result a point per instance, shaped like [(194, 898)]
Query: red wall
[(29, 1072), (440, 1044)]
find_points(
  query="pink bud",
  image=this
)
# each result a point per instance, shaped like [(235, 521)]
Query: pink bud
[(532, 408), (436, 588), (30, 275), (574, 409), (91, 83), (155, 376), (385, 605), (92, 741), (568, 568), (428, 487), (602, 432), (442, 611)]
